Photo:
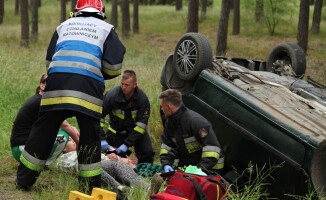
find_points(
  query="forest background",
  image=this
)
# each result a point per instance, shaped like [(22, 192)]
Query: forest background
[(160, 27)]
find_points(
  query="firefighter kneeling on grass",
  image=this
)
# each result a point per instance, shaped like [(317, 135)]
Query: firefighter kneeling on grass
[(129, 110), (187, 136)]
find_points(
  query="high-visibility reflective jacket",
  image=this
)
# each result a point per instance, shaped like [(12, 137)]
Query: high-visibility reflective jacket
[(83, 52), (127, 117), (189, 137)]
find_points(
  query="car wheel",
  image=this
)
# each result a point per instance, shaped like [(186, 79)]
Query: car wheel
[(192, 54), (290, 54)]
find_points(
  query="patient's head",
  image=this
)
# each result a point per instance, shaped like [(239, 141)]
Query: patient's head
[(71, 146)]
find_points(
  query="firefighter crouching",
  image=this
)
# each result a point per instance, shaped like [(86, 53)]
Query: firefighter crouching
[(187, 136), (129, 110)]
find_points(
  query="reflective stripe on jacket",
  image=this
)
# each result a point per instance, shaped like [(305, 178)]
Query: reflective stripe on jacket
[(189, 137), (79, 48), (127, 117), (83, 52)]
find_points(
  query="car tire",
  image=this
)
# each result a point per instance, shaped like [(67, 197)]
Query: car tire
[(289, 53), (192, 54)]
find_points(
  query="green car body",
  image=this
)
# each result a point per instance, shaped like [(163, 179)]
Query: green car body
[(250, 130), (261, 118)]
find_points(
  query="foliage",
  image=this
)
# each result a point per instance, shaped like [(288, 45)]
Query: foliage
[(255, 184), (172, 2), (274, 12), (165, 2)]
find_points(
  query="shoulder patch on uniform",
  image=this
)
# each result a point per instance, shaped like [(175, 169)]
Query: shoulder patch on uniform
[(203, 133), (146, 112)]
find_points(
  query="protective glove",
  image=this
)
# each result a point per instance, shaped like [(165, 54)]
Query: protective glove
[(104, 145), (168, 168), (122, 149)]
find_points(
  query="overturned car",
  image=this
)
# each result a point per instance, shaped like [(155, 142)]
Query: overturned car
[(262, 111)]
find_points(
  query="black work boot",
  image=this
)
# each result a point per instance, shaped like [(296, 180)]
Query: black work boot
[(21, 187)]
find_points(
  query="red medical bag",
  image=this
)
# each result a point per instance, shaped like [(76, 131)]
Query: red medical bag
[(194, 187)]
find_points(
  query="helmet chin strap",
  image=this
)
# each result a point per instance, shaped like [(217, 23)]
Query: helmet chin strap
[(99, 15)]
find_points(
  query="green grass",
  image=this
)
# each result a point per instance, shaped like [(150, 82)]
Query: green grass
[(160, 29), (255, 186)]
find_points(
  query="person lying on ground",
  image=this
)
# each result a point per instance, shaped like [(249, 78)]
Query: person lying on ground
[(114, 173), (146, 170), (27, 116)]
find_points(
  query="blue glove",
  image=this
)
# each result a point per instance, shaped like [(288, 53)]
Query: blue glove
[(168, 168), (104, 145), (122, 149)]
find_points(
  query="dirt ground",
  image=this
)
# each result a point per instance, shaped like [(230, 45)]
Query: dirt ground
[(8, 189)]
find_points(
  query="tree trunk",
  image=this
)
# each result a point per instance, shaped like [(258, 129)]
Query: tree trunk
[(192, 23), (236, 17), (16, 7), (178, 5), (231, 5), (2, 10), (259, 11), (222, 34), (315, 28), (73, 5), (303, 26), (312, 2), (34, 33), (63, 11), (203, 9), (24, 23), (114, 13), (39, 3), (151, 2), (125, 19), (135, 26)]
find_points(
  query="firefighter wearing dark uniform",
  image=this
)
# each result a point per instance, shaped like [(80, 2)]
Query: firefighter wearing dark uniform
[(22, 126), (27, 116), (128, 120), (189, 137), (83, 52)]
